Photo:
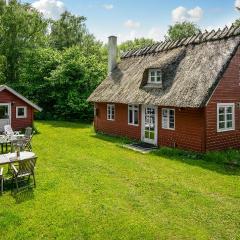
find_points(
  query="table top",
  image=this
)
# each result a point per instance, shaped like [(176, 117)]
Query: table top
[(11, 157)]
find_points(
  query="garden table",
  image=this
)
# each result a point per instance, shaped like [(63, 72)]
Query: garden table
[(12, 157)]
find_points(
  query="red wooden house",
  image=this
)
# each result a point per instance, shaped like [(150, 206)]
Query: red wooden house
[(183, 94), (15, 109)]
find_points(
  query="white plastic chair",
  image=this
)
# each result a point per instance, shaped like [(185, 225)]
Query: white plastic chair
[(10, 133)]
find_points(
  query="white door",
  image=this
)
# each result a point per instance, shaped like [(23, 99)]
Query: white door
[(149, 124), (5, 115)]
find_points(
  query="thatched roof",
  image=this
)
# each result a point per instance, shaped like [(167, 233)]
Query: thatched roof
[(191, 70)]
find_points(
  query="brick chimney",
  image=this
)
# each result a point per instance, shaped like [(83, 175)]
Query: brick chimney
[(112, 53)]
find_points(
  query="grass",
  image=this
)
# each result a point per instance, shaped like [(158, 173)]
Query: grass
[(89, 187)]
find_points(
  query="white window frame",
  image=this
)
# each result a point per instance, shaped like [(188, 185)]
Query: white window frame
[(226, 105), (25, 112), (133, 107), (168, 118), (155, 71), (110, 115)]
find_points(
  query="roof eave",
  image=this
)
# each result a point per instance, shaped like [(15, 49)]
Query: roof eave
[(5, 87)]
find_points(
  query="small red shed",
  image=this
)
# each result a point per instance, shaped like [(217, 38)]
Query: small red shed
[(15, 109)]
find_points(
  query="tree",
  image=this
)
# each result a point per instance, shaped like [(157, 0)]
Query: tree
[(21, 28), (36, 66), (182, 30), (237, 23), (72, 82), (68, 31), (134, 44)]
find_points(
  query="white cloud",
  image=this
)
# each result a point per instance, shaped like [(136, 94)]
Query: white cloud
[(181, 14), (50, 8), (155, 33), (237, 4), (108, 6), (132, 24)]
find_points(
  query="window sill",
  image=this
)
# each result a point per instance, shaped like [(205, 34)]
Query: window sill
[(134, 125), (172, 129), (111, 120), (225, 130), (153, 85), (21, 117)]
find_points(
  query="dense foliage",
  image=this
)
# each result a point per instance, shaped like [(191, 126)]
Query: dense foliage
[(179, 31), (22, 29)]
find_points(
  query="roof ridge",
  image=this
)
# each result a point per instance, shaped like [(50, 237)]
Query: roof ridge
[(198, 38)]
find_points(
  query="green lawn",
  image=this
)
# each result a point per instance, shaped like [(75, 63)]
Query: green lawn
[(89, 187)]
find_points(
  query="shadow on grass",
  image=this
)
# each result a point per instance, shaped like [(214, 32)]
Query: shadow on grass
[(25, 192), (23, 195), (225, 162), (112, 139), (62, 124)]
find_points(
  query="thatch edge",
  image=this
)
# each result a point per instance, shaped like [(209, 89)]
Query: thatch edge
[(201, 37)]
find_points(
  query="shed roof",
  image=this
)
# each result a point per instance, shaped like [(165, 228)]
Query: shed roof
[(5, 87), (193, 68)]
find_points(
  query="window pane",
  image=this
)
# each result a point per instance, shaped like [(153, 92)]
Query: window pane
[(152, 79), (171, 125), (229, 124), (152, 135), (164, 122), (4, 112), (135, 117), (221, 110), (165, 112), (229, 109), (171, 112), (158, 79), (229, 117), (152, 73), (221, 117), (221, 125), (130, 116), (146, 134), (21, 112)]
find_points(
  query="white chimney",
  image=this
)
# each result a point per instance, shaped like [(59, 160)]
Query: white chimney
[(112, 53)]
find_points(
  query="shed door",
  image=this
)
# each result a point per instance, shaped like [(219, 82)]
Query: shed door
[(5, 115)]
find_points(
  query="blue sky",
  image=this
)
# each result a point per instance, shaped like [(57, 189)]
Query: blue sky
[(142, 18)]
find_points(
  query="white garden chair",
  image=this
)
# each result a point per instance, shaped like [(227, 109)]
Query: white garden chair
[(12, 135)]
